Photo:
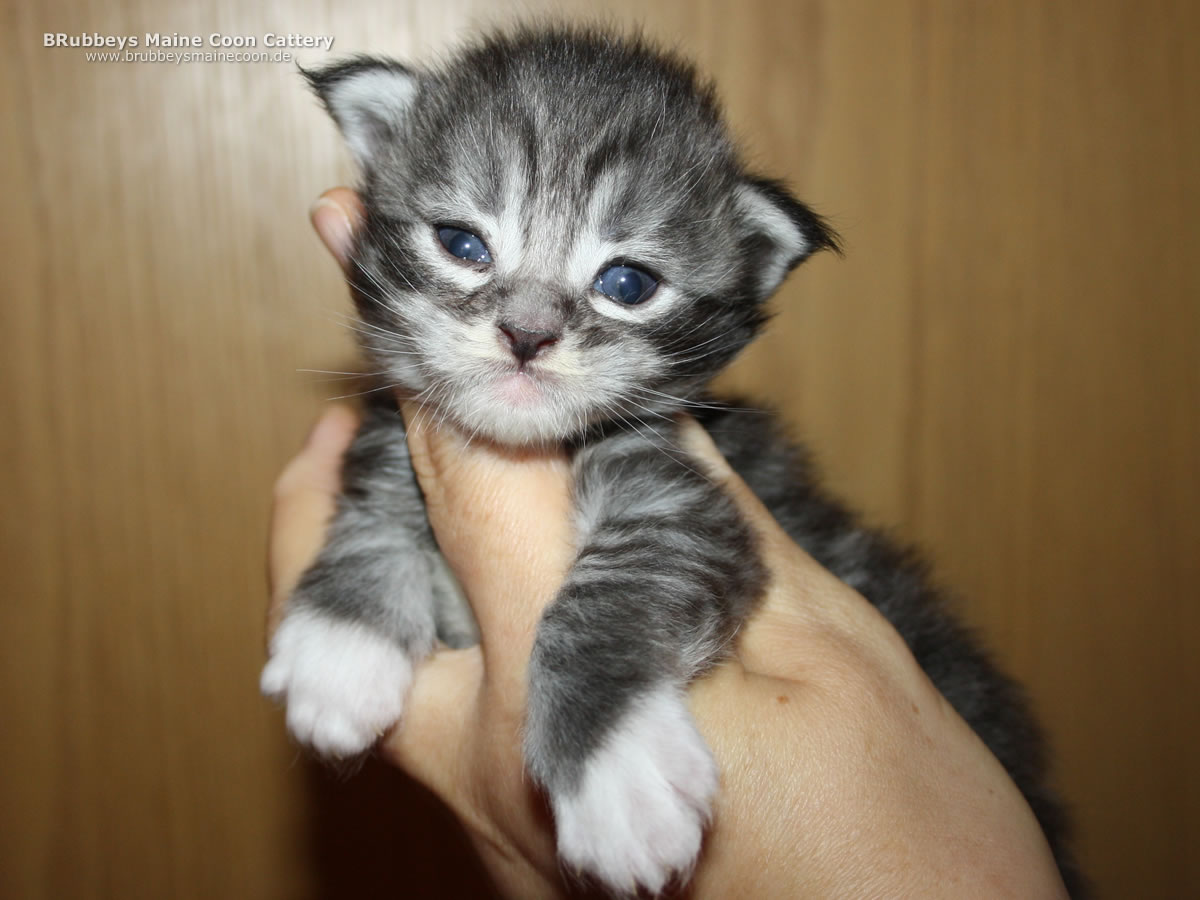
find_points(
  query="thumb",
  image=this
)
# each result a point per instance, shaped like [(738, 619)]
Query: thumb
[(806, 609), (335, 217)]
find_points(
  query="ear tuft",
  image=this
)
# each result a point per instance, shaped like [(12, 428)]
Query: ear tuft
[(786, 231), (368, 97)]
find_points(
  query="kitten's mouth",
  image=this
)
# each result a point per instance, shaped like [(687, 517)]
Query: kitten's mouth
[(519, 388)]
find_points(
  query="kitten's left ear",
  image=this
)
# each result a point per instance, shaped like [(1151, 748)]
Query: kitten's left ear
[(369, 98), (783, 231)]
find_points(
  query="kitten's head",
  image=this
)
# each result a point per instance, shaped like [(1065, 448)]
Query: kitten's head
[(558, 230)]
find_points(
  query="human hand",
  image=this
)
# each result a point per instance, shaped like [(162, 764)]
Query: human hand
[(844, 772)]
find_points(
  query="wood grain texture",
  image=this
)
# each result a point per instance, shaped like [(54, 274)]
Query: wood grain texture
[(1004, 367)]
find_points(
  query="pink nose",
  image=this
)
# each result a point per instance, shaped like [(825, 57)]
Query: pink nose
[(526, 344)]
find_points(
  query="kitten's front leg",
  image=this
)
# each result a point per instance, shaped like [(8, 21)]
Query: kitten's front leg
[(364, 613), (666, 571)]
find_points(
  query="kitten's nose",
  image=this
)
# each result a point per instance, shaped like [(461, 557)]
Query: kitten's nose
[(526, 344)]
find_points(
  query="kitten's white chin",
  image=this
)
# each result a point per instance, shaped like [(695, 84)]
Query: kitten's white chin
[(514, 409), (519, 390)]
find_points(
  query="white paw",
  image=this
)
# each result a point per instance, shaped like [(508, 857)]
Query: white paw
[(639, 815), (344, 684)]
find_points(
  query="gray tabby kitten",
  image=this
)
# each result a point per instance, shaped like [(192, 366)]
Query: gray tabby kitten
[(562, 246)]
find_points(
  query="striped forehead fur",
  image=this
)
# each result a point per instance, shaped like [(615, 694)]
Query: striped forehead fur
[(565, 151)]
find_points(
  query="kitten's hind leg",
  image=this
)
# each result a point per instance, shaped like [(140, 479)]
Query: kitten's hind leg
[(665, 572), (363, 614)]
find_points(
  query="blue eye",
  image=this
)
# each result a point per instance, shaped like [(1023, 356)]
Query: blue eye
[(625, 284), (463, 244)]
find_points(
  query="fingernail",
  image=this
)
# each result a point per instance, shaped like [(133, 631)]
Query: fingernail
[(335, 229), (410, 409), (694, 439), (424, 433), (325, 428), (692, 435)]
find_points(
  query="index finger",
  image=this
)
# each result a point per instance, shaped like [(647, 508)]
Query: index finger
[(502, 518), (808, 615)]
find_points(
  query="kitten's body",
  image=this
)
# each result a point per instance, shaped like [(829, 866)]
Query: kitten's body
[(503, 191)]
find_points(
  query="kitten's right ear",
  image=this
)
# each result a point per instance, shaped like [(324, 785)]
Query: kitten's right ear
[(368, 97)]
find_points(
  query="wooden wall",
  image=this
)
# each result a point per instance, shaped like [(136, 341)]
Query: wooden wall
[(1004, 367)]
